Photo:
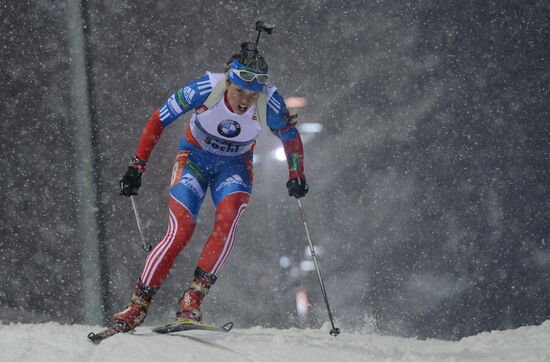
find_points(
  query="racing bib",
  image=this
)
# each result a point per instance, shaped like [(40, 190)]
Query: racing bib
[(224, 133)]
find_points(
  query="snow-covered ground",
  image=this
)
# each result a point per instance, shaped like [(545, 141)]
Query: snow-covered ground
[(55, 342)]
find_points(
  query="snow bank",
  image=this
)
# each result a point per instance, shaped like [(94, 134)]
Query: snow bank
[(55, 342)]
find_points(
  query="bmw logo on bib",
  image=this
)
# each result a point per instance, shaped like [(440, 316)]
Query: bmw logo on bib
[(229, 128)]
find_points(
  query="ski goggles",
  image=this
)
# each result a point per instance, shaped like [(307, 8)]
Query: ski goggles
[(249, 76), (245, 78)]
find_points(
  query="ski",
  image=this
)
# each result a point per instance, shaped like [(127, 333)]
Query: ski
[(106, 333), (180, 325)]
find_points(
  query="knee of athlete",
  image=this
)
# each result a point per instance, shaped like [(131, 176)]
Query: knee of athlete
[(228, 210), (223, 223), (226, 217), (235, 200)]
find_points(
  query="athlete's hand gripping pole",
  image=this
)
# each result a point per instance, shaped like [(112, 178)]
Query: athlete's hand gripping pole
[(147, 247), (334, 331)]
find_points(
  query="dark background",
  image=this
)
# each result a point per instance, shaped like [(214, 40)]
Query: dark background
[(429, 181)]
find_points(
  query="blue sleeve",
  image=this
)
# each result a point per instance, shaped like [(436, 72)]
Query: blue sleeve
[(188, 97), (277, 118)]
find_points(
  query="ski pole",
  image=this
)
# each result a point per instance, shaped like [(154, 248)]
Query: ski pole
[(334, 331), (147, 247)]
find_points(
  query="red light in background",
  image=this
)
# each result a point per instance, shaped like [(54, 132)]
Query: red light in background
[(296, 102)]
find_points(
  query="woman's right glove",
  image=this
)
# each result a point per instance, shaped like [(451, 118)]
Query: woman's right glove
[(297, 187), (131, 181)]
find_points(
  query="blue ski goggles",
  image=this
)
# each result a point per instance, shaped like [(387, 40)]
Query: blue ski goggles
[(247, 79)]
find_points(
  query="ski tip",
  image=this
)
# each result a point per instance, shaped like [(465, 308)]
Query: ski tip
[(227, 326), (94, 338), (106, 333)]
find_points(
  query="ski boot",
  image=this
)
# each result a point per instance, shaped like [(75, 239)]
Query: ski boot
[(189, 303), (135, 313)]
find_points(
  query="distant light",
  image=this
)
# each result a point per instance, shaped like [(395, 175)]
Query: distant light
[(284, 262), (310, 127), (302, 304), (279, 154), (319, 250), (307, 265), (296, 102)]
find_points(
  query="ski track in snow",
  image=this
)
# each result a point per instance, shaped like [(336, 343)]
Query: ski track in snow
[(56, 342)]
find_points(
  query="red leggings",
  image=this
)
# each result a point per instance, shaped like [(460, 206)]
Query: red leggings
[(180, 229)]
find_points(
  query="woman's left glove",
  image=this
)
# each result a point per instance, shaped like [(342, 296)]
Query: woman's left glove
[(131, 181), (297, 187)]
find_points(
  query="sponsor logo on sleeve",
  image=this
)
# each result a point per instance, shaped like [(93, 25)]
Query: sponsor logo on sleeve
[(181, 100), (188, 94), (173, 105), (294, 161)]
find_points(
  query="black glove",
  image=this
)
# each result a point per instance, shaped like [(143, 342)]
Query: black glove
[(131, 181), (297, 187)]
